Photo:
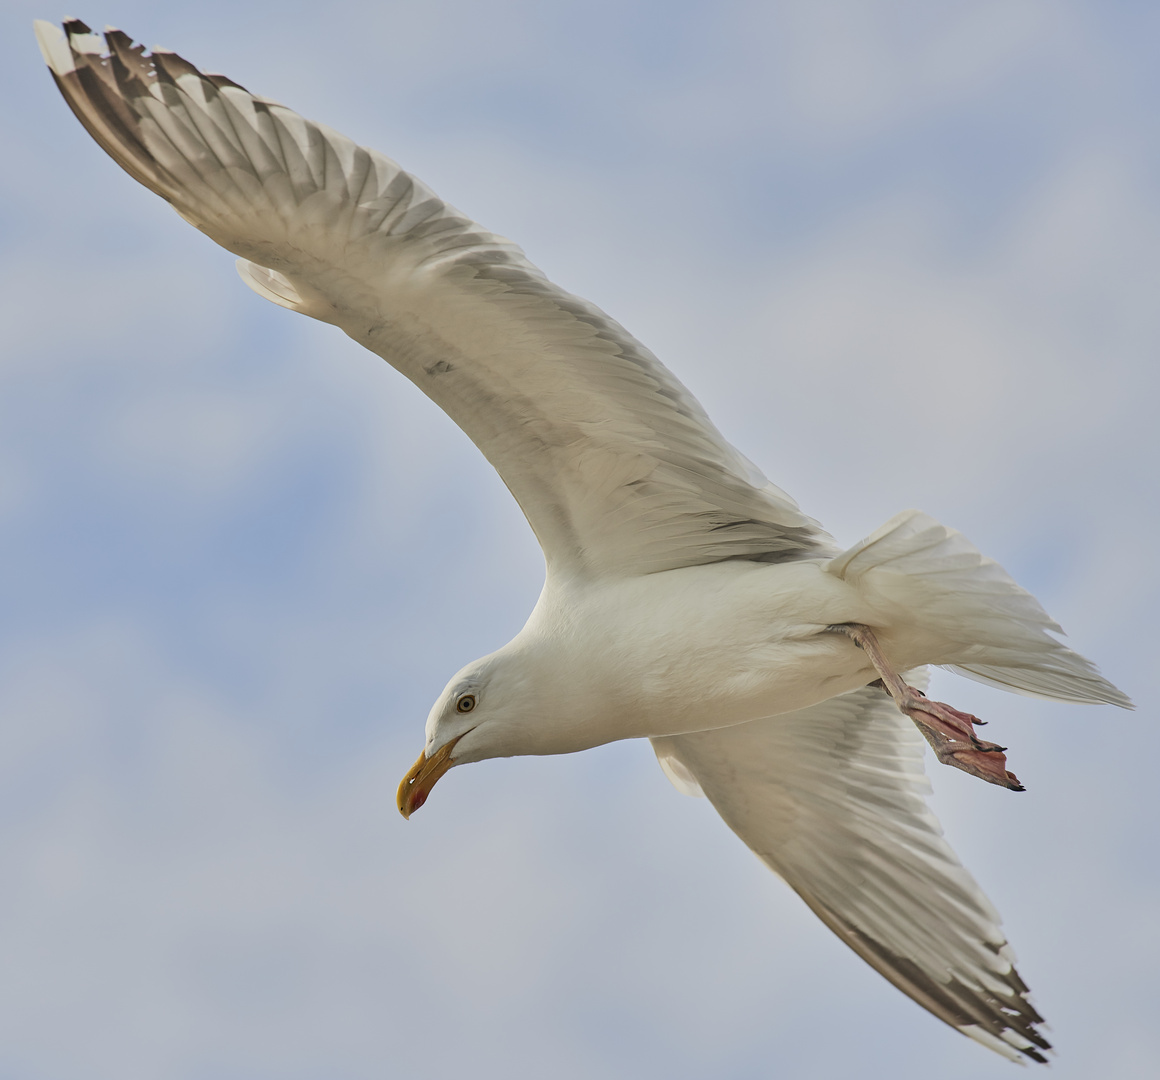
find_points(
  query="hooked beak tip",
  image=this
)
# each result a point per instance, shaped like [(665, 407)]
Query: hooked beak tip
[(422, 777)]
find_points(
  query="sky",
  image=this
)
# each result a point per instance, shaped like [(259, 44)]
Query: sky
[(905, 253)]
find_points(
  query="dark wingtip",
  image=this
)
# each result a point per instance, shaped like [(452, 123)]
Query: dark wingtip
[(223, 81), (174, 65)]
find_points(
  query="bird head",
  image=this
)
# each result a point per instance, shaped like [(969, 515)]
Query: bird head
[(470, 721)]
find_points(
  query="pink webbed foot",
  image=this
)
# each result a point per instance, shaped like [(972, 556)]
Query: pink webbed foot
[(950, 733), (952, 737)]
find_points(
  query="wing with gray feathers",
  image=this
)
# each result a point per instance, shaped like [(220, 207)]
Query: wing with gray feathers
[(614, 463), (832, 799)]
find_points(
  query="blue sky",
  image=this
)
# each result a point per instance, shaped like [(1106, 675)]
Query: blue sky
[(906, 255)]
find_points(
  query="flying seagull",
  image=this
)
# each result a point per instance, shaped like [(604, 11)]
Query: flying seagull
[(686, 598)]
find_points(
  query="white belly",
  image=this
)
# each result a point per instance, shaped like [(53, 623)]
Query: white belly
[(699, 648)]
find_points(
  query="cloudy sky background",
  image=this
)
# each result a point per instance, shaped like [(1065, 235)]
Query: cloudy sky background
[(906, 253)]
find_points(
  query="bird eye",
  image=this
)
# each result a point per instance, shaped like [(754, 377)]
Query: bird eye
[(465, 703)]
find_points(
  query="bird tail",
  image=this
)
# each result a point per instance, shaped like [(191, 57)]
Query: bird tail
[(973, 618)]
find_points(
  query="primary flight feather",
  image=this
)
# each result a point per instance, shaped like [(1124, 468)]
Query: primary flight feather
[(686, 599)]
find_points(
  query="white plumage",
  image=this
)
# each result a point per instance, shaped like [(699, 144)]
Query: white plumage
[(686, 599)]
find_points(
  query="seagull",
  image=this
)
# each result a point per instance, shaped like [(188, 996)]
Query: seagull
[(686, 599)]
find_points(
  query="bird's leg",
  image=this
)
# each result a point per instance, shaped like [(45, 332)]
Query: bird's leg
[(950, 733)]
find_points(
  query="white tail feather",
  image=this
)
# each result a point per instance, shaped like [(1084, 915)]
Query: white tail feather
[(980, 623)]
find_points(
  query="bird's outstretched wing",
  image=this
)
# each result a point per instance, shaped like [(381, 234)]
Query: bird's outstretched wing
[(832, 799), (614, 463)]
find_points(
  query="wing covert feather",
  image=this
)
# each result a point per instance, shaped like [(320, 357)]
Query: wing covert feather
[(614, 463)]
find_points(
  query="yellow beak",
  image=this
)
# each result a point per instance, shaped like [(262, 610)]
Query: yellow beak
[(424, 774)]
